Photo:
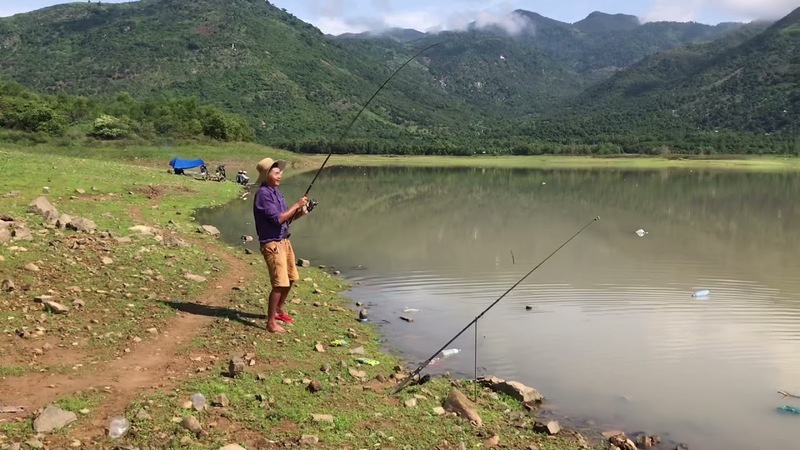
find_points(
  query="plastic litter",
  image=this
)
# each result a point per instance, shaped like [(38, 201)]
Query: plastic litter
[(338, 343), (701, 293), (408, 310), (118, 427), (640, 232), (449, 352), (789, 409), (199, 401), (368, 361)]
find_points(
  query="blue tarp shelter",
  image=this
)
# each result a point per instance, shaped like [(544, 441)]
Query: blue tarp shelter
[(180, 164)]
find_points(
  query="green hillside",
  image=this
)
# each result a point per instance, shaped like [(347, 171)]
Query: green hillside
[(605, 84)]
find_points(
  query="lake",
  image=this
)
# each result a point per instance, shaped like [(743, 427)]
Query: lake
[(607, 329)]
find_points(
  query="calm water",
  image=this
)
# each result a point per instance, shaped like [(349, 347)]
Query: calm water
[(613, 332)]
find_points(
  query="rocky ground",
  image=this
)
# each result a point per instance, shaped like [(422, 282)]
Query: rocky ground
[(128, 325)]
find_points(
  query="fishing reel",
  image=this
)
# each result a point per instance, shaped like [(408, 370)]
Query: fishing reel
[(311, 204)]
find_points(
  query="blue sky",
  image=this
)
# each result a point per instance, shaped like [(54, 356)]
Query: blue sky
[(338, 16)]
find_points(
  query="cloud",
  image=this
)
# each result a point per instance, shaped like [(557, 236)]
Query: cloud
[(745, 10), (510, 22)]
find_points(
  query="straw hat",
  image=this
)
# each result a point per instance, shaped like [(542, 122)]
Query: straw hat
[(264, 167)]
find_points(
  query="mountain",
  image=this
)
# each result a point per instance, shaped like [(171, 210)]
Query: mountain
[(398, 34), (606, 83), (748, 81), (246, 56), (600, 22)]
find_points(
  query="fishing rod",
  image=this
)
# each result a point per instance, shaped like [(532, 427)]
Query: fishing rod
[(313, 203), (475, 320)]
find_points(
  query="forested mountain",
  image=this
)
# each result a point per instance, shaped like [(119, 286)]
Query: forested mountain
[(607, 83)]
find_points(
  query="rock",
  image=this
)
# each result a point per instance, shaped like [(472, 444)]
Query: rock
[(34, 443), (55, 307), (175, 241), (325, 368), (15, 446), (5, 235), (142, 415), (458, 403), (438, 411), (191, 424), (407, 319), (309, 439), (493, 441), (550, 428), (195, 278), (78, 303), (303, 263), (7, 285), (21, 233), (80, 191), (314, 386), (319, 348), (645, 441), (63, 221), (44, 208), (143, 230), (622, 442), (322, 418), (236, 367), (232, 447), (82, 225), (221, 401), (208, 229), (106, 260), (31, 267), (358, 350), (411, 403), (360, 374), (52, 419), (363, 314), (515, 389)]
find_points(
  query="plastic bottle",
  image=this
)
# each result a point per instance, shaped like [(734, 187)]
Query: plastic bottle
[(701, 293), (118, 427), (789, 409), (449, 352), (199, 401)]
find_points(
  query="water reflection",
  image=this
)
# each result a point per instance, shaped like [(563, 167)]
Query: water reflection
[(611, 314)]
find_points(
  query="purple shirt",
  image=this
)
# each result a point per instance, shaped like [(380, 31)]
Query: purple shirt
[(268, 204)]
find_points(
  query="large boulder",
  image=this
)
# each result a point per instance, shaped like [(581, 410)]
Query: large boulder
[(52, 419), (44, 208), (514, 389), (458, 403)]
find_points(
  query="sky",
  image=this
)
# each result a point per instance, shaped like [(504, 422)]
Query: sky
[(340, 16)]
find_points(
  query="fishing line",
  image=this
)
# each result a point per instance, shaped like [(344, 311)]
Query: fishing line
[(350, 125), (475, 320)]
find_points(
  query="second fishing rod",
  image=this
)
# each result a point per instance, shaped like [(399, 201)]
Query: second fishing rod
[(474, 321), (313, 203)]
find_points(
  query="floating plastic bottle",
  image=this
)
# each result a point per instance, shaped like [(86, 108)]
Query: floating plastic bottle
[(789, 409), (449, 352), (118, 427), (198, 401), (701, 293)]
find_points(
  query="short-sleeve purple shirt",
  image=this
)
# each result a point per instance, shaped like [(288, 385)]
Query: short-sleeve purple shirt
[(268, 204)]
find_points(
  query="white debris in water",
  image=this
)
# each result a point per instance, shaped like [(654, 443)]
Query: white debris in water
[(641, 232)]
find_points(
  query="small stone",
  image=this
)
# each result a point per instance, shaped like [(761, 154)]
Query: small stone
[(31, 267), (407, 319), (322, 418), (363, 314), (106, 260), (438, 411), (221, 400), (315, 386), (319, 348), (411, 403), (309, 439)]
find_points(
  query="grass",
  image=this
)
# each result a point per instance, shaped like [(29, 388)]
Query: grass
[(118, 298), (270, 404)]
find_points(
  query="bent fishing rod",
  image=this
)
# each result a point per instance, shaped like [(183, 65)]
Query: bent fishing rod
[(313, 203), (402, 385)]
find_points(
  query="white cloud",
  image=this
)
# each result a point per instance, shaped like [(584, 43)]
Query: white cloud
[(746, 10)]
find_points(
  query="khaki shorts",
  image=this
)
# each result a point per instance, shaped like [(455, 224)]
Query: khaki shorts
[(280, 262)]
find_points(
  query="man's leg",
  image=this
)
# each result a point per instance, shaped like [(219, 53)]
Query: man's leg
[(274, 255), (281, 309), (275, 297)]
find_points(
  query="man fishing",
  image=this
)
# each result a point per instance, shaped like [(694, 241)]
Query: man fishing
[(272, 219)]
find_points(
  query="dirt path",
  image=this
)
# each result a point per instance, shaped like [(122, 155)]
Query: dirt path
[(149, 365)]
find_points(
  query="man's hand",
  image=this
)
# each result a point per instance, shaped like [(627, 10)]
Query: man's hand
[(301, 204)]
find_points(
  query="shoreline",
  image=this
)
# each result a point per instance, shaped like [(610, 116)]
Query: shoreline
[(138, 197)]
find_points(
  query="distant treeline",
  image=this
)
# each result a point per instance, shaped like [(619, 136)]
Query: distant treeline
[(118, 117)]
